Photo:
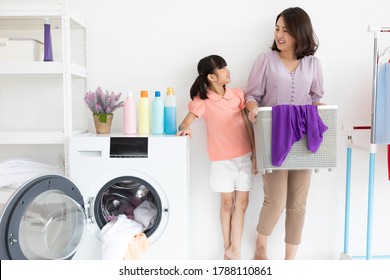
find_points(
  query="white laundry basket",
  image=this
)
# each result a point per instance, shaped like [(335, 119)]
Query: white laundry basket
[(299, 156)]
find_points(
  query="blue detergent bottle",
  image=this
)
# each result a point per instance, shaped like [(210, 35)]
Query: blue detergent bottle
[(170, 127), (157, 114)]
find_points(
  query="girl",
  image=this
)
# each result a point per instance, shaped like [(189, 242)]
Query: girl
[(230, 143)]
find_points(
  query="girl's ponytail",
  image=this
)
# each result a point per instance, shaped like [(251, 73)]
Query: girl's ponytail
[(199, 87)]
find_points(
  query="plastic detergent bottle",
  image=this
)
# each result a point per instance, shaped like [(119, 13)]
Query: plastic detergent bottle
[(143, 113), (48, 51), (129, 115), (170, 112), (157, 114)]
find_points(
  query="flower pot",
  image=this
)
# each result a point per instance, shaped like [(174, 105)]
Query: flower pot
[(102, 123)]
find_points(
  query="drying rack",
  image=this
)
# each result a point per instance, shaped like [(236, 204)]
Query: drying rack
[(377, 31)]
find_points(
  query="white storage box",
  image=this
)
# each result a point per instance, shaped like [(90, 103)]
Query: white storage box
[(299, 156), (20, 49)]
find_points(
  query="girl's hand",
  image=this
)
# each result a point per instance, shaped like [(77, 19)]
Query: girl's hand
[(184, 127), (185, 132), (254, 164)]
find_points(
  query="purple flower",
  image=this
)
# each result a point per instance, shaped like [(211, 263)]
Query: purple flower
[(100, 102)]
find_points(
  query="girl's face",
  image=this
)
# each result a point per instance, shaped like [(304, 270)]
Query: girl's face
[(284, 41), (221, 76)]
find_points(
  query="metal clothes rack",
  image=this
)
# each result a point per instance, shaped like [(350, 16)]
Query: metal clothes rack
[(377, 31)]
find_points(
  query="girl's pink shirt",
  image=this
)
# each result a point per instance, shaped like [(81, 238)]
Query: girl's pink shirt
[(227, 137)]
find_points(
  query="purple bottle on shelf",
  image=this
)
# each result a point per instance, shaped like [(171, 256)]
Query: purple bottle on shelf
[(48, 51)]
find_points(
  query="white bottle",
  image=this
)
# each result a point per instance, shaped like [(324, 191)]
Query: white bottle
[(129, 115), (170, 113), (157, 114)]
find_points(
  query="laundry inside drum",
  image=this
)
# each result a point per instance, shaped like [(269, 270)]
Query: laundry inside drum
[(123, 197), (126, 184)]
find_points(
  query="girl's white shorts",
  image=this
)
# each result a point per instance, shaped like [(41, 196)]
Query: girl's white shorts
[(232, 175)]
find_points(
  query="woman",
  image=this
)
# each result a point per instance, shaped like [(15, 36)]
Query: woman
[(288, 74)]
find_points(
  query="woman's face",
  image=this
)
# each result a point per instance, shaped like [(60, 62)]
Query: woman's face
[(284, 41)]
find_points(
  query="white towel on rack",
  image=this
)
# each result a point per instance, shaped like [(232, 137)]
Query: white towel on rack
[(15, 171), (382, 112)]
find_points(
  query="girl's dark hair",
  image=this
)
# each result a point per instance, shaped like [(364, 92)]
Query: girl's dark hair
[(299, 26), (206, 66)]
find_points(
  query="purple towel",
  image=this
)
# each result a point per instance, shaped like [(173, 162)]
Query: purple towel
[(289, 124)]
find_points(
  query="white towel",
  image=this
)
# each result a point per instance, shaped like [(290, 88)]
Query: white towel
[(146, 214), (116, 236), (16, 171)]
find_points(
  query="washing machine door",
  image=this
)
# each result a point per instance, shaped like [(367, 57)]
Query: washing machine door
[(43, 219)]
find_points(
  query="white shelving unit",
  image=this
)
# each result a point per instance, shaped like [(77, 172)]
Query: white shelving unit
[(66, 69)]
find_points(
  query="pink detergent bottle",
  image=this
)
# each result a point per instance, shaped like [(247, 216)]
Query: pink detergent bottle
[(129, 115)]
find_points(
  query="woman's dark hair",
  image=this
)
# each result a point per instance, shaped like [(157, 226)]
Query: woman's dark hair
[(206, 66), (299, 26)]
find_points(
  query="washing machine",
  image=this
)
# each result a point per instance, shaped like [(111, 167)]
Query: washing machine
[(53, 217)]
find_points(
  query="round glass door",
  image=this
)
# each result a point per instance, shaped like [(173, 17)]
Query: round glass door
[(51, 227)]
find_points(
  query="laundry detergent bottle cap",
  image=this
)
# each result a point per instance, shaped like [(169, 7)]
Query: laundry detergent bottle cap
[(144, 93), (170, 91), (144, 113), (157, 114), (170, 127), (130, 115)]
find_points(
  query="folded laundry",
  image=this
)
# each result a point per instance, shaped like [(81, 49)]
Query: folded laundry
[(15, 171)]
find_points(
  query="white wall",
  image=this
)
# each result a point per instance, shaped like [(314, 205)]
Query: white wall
[(135, 45)]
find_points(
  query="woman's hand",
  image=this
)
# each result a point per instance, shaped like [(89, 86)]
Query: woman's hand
[(253, 114)]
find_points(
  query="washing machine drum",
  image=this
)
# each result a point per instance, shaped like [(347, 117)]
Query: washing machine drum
[(43, 219)]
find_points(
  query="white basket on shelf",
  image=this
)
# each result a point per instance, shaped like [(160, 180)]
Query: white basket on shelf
[(299, 156)]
